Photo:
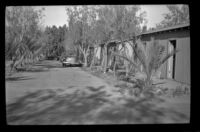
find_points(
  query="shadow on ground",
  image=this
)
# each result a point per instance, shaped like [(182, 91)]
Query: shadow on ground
[(19, 78), (46, 65), (33, 69), (144, 111), (41, 66), (93, 105)]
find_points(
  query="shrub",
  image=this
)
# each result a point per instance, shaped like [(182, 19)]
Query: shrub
[(151, 58)]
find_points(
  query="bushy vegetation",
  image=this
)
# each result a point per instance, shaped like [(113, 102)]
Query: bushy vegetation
[(150, 57), (24, 44), (55, 47), (27, 40)]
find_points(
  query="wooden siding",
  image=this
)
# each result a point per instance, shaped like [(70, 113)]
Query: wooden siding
[(163, 68), (182, 66), (182, 63)]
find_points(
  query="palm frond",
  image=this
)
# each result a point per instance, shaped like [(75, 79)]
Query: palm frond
[(167, 57), (133, 63), (155, 52), (140, 53)]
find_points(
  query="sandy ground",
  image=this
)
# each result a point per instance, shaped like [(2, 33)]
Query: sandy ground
[(50, 94), (51, 75)]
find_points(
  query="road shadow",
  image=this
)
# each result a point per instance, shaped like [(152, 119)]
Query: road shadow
[(95, 89), (33, 69), (58, 106), (41, 66), (53, 107), (143, 111), (48, 65), (19, 78), (159, 83)]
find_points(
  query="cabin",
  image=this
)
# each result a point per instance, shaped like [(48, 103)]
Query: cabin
[(176, 37)]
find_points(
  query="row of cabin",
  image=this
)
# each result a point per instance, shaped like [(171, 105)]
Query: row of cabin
[(176, 67)]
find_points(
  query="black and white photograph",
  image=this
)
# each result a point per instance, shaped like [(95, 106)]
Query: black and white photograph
[(97, 64)]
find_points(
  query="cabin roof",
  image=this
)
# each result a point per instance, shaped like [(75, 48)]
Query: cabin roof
[(182, 26), (168, 29)]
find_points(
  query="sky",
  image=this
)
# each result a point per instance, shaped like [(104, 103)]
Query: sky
[(56, 15), (154, 14)]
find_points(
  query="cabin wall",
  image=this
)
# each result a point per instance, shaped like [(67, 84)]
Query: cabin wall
[(182, 62), (182, 66), (163, 68)]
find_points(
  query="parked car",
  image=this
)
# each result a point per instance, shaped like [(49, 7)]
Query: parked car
[(70, 61)]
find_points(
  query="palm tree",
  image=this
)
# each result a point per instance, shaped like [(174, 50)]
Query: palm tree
[(132, 60), (151, 58)]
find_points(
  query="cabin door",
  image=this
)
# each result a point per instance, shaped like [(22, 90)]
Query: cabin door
[(171, 60)]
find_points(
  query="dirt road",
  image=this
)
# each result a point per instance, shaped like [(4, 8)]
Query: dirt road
[(49, 75), (50, 94)]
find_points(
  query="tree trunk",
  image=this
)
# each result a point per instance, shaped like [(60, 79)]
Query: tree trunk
[(126, 63), (93, 58), (114, 69), (115, 60), (92, 62), (148, 81), (102, 56), (85, 60), (77, 55), (127, 68), (12, 65), (105, 59)]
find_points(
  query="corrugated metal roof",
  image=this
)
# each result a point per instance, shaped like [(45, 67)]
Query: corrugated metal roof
[(166, 29)]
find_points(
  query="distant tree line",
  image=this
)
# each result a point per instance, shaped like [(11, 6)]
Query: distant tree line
[(55, 41)]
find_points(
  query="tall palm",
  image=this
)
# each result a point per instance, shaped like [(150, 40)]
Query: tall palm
[(151, 58)]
